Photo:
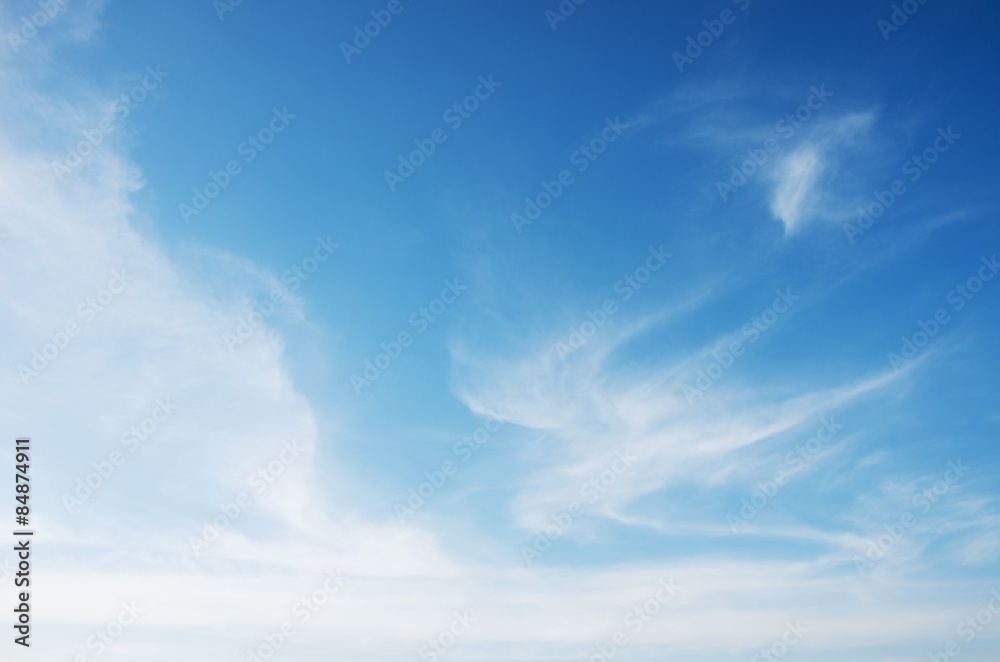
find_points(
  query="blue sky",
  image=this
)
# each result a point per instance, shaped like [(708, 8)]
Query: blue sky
[(698, 365)]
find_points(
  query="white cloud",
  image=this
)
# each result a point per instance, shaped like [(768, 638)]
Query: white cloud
[(797, 176), (807, 182)]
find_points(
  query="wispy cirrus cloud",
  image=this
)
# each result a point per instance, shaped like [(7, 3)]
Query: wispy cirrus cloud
[(797, 177), (806, 181)]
